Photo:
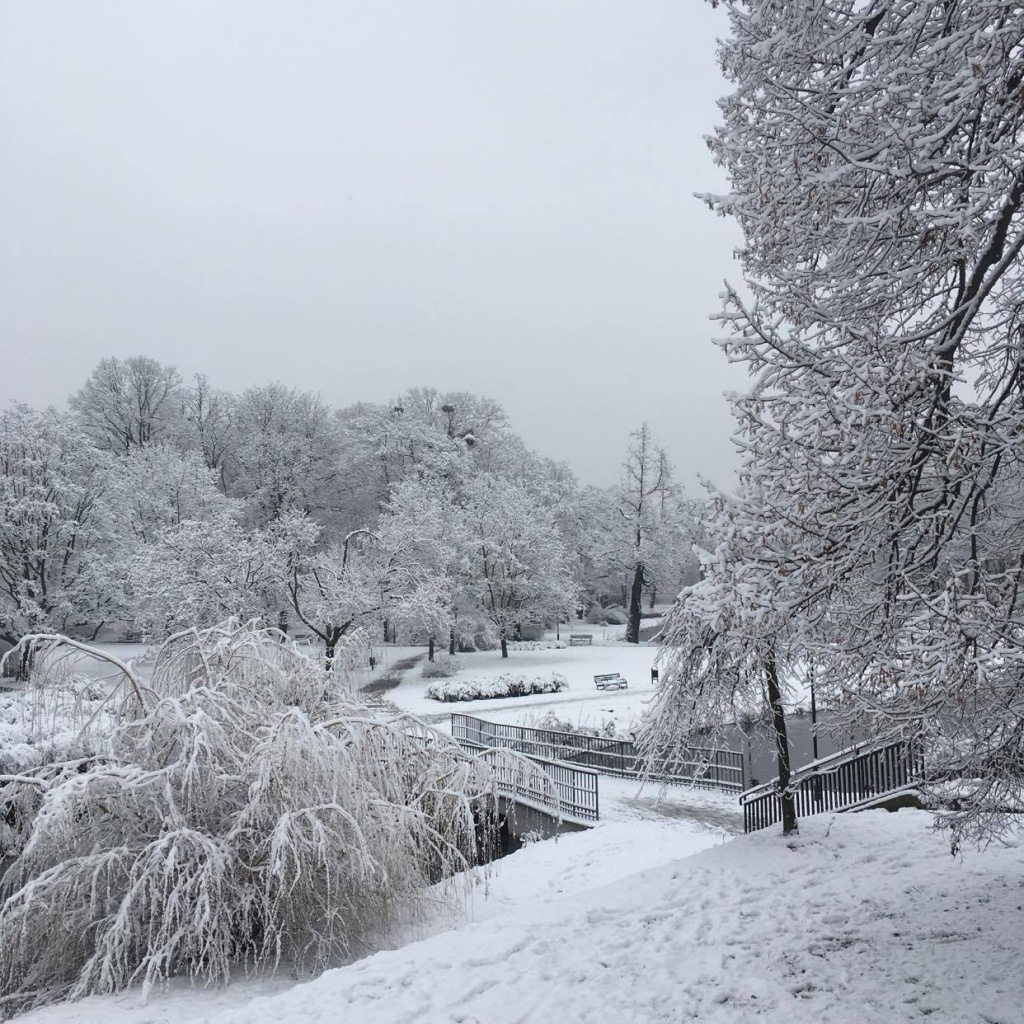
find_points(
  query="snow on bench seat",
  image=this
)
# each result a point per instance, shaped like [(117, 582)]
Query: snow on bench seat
[(611, 681), (581, 639)]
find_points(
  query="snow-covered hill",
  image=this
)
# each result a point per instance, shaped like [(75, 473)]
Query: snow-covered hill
[(863, 919)]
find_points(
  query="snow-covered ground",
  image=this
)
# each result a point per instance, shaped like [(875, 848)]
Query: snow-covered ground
[(863, 919), (662, 913), (581, 704)]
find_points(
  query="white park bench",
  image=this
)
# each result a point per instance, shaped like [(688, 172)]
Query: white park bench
[(581, 639), (610, 681)]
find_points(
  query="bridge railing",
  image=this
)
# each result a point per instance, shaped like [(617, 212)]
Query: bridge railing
[(837, 782), (565, 790), (720, 769)]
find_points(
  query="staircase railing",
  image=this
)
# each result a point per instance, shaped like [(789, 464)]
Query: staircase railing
[(838, 782)]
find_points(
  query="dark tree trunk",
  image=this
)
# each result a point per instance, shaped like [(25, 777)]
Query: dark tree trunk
[(654, 597), (430, 649), (789, 824), (636, 594), (385, 631), (25, 662), (330, 646), (504, 646), (451, 642)]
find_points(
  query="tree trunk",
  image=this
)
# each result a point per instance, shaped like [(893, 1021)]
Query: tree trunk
[(451, 641), (430, 648), (25, 663), (654, 597), (385, 631), (636, 594), (789, 824), (330, 646), (504, 646)]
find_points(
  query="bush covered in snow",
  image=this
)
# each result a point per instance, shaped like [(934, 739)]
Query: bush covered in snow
[(40, 725), (598, 616), (505, 685), (552, 723), (249, 810), (444, 666), (536, 645)]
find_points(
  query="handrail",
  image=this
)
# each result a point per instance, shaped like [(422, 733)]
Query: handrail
[(823, 765), (839, 782), (568, 790), (707, 767)]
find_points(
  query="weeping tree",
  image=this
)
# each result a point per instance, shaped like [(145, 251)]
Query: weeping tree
[(730, 646), (873, 149), (245, 810)]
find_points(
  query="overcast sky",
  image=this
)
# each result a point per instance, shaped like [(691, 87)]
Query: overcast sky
[(357, 198)]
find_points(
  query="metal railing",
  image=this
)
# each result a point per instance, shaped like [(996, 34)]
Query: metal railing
[(719, 769), (838, 782), (564, 790)]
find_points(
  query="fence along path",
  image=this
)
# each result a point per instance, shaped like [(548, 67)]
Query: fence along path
[(562, 790), (840, 782), (718, 769)]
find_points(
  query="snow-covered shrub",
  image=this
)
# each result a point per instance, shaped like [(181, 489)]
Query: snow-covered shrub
[(598, 616), (537, 645), (499, 686), (444, 666), (250, 810), (550, 721), (40, 725)]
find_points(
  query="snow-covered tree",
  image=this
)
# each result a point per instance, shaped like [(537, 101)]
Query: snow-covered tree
[(424, 433), (249, 812), (158, 487), (515, 567), (644, 527), (338, 589), (197, 572), (127, 403), (207, 424), (288, 454), (56, 572), (874, 157), (423, 527)]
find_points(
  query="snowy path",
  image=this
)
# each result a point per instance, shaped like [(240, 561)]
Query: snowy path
[(870, 923)]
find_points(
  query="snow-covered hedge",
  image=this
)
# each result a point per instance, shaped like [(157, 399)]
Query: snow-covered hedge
[(444, 666), (505, 685), (249, 810), (536, 645)]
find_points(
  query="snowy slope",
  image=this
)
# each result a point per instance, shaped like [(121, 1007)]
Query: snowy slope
[(864, 919)]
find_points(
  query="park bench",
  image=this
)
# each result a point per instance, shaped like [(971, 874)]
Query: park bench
[(581, 639), (610, 681)]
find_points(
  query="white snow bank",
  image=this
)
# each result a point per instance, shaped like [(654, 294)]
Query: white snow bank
[(863, 919), (867, 919)]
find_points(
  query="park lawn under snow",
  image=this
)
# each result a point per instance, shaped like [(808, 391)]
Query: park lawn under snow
[(862, 919), (581, 704)]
